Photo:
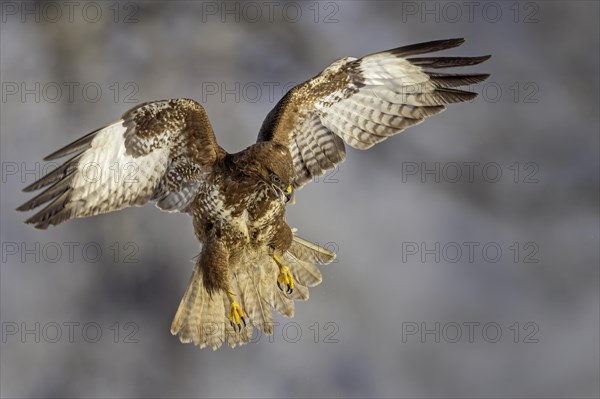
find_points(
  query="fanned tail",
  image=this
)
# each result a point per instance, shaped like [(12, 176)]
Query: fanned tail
[(202, 318)]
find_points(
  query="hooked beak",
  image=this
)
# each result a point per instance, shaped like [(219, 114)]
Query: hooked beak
[(289, 193)]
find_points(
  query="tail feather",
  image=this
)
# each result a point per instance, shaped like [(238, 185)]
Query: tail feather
[(310, 252), (300, 292), (283, 304), (202, 318), (305, 273), (253, 294), (185, 308)]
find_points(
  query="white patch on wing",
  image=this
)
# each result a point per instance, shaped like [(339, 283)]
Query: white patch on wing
[(107, 178), (384, 68)]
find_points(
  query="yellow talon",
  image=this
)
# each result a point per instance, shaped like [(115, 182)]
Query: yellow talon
[(236, 314), (285, 276)]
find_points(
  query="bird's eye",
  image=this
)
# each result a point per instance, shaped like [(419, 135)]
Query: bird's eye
[(275, 178)]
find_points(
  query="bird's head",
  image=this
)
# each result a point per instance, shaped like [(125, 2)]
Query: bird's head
[(272, 163)]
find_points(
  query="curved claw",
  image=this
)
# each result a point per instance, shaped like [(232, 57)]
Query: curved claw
[(288, 289), (236, 314), (285, 277)]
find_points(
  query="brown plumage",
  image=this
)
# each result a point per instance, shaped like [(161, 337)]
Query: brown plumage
[(251, 261)]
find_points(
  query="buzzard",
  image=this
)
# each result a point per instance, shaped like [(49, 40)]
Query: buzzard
[(251, 261)]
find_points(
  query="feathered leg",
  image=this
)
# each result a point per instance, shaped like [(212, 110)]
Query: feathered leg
[(202, 316)]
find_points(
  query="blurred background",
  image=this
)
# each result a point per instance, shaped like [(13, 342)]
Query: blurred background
[(467, 246)]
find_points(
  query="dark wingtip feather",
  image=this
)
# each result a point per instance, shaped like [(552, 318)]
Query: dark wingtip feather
[(51, 157), (37, 225), (427, 47), (447, 62), (22, 208), (481, 76), (484, 57), (455, 96), (54, 213), (54, 176), (455, 80), (80, 144), (51, 193), (69, 149), (30, 188)]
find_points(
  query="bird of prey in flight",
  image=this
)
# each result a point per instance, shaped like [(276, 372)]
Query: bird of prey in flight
[(251, 261)]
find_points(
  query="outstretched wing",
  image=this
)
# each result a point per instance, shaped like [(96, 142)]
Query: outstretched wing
[(158, 151), (362, 102)]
